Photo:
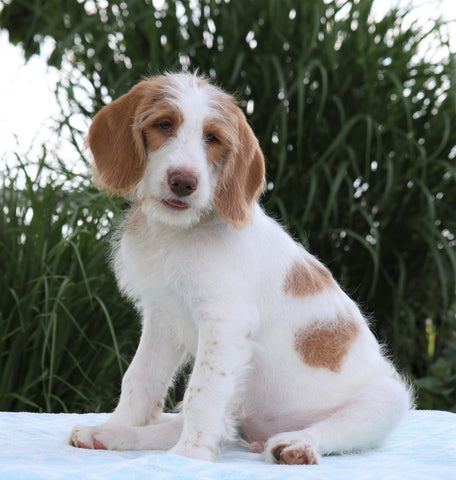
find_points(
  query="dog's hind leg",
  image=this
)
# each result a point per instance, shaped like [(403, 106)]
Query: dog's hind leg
[(361, 424)]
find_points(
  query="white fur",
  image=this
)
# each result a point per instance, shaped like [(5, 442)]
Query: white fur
[(215, 293)]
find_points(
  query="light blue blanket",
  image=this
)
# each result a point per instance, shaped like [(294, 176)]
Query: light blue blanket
[(34, 446)]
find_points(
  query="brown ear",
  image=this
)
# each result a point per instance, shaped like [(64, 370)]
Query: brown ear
[(242, 179), (117, 143)]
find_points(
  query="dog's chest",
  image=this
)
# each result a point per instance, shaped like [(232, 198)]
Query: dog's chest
[(166, 276), (152, 261)]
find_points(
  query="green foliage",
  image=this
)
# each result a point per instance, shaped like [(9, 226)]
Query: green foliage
[(358, 130), (65, 339)]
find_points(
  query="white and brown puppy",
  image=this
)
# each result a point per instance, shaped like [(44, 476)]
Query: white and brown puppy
[(281, 353)]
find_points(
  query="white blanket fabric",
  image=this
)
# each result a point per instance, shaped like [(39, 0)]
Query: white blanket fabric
[(34, 446)]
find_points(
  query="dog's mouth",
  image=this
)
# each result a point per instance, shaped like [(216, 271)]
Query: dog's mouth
[(175, 204)]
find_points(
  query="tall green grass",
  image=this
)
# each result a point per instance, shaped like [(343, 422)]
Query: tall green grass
[(65, 338), (358, 129)]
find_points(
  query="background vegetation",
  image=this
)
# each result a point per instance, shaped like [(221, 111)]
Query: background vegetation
[(359, 132)]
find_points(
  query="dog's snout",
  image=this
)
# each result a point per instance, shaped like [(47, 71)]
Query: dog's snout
[(182, 183)]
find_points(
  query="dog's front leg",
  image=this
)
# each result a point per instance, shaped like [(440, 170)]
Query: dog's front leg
[(145, 383), (144, 387), (222, 357)]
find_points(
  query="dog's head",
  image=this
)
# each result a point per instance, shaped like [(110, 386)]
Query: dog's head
[(183, 146)]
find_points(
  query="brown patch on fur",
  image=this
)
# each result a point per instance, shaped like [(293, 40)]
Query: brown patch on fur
[(155, 115), (325, 346), (217, 143), (241, 181), (307, 278), (120, 131)]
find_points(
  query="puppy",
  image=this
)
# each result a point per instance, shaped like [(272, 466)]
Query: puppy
[(281, 354)]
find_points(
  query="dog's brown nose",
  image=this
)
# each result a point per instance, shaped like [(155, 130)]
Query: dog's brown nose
[(182, 183)]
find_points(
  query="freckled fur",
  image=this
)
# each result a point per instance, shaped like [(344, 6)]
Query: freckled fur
[(279, 350)]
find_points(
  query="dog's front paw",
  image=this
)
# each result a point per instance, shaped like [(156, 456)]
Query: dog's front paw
[(84, 437), (199, 452), (103, 437), (290, 451)]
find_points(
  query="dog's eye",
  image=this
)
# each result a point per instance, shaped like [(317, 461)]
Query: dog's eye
[(211, 138), (166, 126)]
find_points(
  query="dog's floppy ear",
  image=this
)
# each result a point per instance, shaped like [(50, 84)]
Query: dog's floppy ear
[(117, 143), (241, 181)]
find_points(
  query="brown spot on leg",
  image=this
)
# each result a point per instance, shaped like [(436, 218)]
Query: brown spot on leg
[(325, 346), (307, 278), (277, 453)]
